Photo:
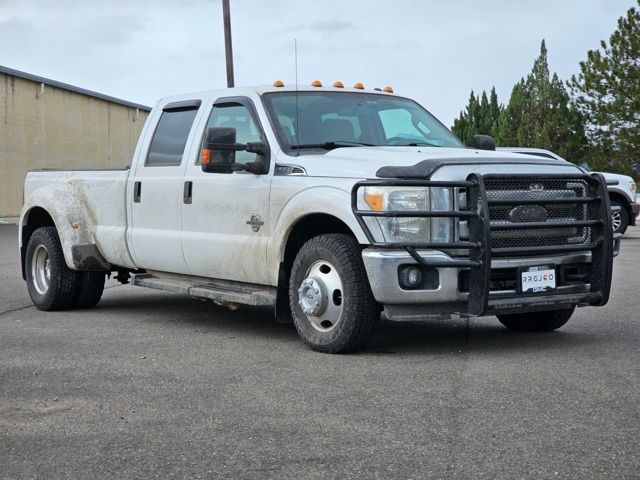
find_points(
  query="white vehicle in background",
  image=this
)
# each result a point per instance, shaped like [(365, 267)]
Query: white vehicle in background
[(329, 204), (622, 190)]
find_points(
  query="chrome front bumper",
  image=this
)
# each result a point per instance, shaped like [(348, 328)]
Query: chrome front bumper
[(382, 270)]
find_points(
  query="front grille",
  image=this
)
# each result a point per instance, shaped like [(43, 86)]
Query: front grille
[(529, 200), (513, 215)]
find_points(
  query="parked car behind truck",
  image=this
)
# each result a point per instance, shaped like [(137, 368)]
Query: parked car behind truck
[(328, 204)]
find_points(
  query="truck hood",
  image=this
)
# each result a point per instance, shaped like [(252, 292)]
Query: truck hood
[(367, 162)]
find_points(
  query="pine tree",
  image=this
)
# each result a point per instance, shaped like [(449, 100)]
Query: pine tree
[(539, 114), (479, 117), (607, 93), (513, 125), (494, 107)]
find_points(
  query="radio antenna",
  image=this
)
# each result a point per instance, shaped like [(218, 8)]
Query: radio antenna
[(295, 54)]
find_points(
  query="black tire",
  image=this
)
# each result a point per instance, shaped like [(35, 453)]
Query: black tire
[(62, 281), (537, 321), (88, 290), (359, 313), (624, 217)]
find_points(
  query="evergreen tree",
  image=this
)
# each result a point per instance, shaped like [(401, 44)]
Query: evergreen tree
[(607, 92), (539, 114), (479, 117), (514, 124), (494, 107)]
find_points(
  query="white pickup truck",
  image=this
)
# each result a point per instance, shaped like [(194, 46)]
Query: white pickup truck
[(330, 204)]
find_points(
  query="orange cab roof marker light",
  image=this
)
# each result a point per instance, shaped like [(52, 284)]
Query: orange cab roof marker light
[(278, 83), (359, 85), (338, 84), (316, 83), (388, 89)]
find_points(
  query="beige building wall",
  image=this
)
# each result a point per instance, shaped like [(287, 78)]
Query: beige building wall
[(43, 126)]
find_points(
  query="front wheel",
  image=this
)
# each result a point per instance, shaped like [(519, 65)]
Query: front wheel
[(619, 218), (331, 302), (537, 321)]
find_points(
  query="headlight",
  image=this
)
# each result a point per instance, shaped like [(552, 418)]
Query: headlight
[(407, 199)]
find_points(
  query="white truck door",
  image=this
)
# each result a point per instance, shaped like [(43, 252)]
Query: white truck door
[(156, 191), (224, 231)]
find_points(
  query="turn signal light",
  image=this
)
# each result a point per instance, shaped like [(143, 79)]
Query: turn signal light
[(338, 84), (375, 201), (206, 156), (316, 83), (359, 85), (278, 83)]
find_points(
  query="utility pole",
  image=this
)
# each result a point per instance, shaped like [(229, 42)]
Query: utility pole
[(228, 51)]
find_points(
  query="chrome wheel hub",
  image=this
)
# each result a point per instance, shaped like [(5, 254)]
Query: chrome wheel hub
[(41, 270), (311, 297), (616, 220), (320, 296)]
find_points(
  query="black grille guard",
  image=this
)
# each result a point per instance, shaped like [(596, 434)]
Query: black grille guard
[(601, 242)]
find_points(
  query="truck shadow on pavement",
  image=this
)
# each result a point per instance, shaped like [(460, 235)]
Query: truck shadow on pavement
[(431, 337)]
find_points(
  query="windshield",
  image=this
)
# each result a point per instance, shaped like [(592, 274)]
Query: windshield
[(326, 120)]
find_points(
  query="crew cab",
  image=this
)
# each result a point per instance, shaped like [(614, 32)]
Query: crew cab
[(334, 206), (622, 190)]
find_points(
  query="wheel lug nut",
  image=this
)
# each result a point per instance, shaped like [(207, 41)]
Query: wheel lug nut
[(317, 304), (316, 291)]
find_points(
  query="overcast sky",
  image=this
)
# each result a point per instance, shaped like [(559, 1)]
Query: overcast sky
[(433, 51)]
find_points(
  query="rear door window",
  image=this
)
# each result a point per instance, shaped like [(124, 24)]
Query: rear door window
[(170, 138)]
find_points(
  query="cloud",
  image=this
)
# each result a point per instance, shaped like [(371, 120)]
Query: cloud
[(112, 29), (433, 51), (326, 26), (15, 30)]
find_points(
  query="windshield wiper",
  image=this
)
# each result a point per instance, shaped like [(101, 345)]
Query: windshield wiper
[(332, 145), (414, 144)]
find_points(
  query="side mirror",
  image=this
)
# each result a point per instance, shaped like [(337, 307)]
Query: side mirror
[(484, 142), (219, 151)]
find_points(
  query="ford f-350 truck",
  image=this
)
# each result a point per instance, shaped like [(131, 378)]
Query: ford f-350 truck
[(332, 205)]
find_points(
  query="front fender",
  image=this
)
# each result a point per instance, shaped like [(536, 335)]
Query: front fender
[(62, 201), (617, 190), (333, 201)]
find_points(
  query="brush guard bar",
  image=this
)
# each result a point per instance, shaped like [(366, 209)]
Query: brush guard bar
[(477, 250)]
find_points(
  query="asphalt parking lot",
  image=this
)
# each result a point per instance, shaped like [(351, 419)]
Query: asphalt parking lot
[(152, 385)]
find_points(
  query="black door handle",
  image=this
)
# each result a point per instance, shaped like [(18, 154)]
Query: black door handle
[(186, 192), (137, 190)]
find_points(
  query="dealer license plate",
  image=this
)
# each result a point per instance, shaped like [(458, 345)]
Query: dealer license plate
[(537, 279)]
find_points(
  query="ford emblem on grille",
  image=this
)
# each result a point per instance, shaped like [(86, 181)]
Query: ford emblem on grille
[(536, 187), (528, 213)]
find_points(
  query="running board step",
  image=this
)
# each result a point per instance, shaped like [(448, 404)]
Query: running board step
[(216, 290)]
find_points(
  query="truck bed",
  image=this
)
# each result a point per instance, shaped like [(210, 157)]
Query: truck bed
[(83, 195)]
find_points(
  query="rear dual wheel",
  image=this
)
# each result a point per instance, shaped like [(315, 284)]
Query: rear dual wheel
[(89, 289), (51, 284)]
